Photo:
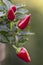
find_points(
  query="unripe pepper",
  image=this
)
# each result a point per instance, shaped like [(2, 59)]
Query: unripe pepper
[(22, 24), (13, 8), (11, 15), (23, 54)]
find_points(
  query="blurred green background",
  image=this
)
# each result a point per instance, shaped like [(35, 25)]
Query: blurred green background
[(35, 44)]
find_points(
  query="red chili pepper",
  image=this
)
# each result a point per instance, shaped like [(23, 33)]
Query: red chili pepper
[(13, 8), (23, 54), (11, 15), (22, 24)]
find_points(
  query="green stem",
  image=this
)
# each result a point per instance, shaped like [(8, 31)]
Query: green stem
[(15, 47), (11, 24)]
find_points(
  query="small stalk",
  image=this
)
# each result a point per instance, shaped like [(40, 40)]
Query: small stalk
[(11, 24), (17, 49)]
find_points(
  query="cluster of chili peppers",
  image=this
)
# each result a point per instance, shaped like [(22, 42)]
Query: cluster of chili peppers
[(21, 52)]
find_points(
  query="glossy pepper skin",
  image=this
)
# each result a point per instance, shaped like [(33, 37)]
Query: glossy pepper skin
[(22, 24), (23, 54), (11, 15), (13, 8)]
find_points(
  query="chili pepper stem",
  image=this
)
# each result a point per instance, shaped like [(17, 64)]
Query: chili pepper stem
[(17, 49), (14, 47), (11, 26)]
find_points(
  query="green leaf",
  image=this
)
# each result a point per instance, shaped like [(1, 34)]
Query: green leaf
[(2, 14), (20, 16), (20, 6), (2, 38), (20, 40), (2, 8), (7, 3), (22, 11), (4, 28), (5, 35), (26, 33)]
